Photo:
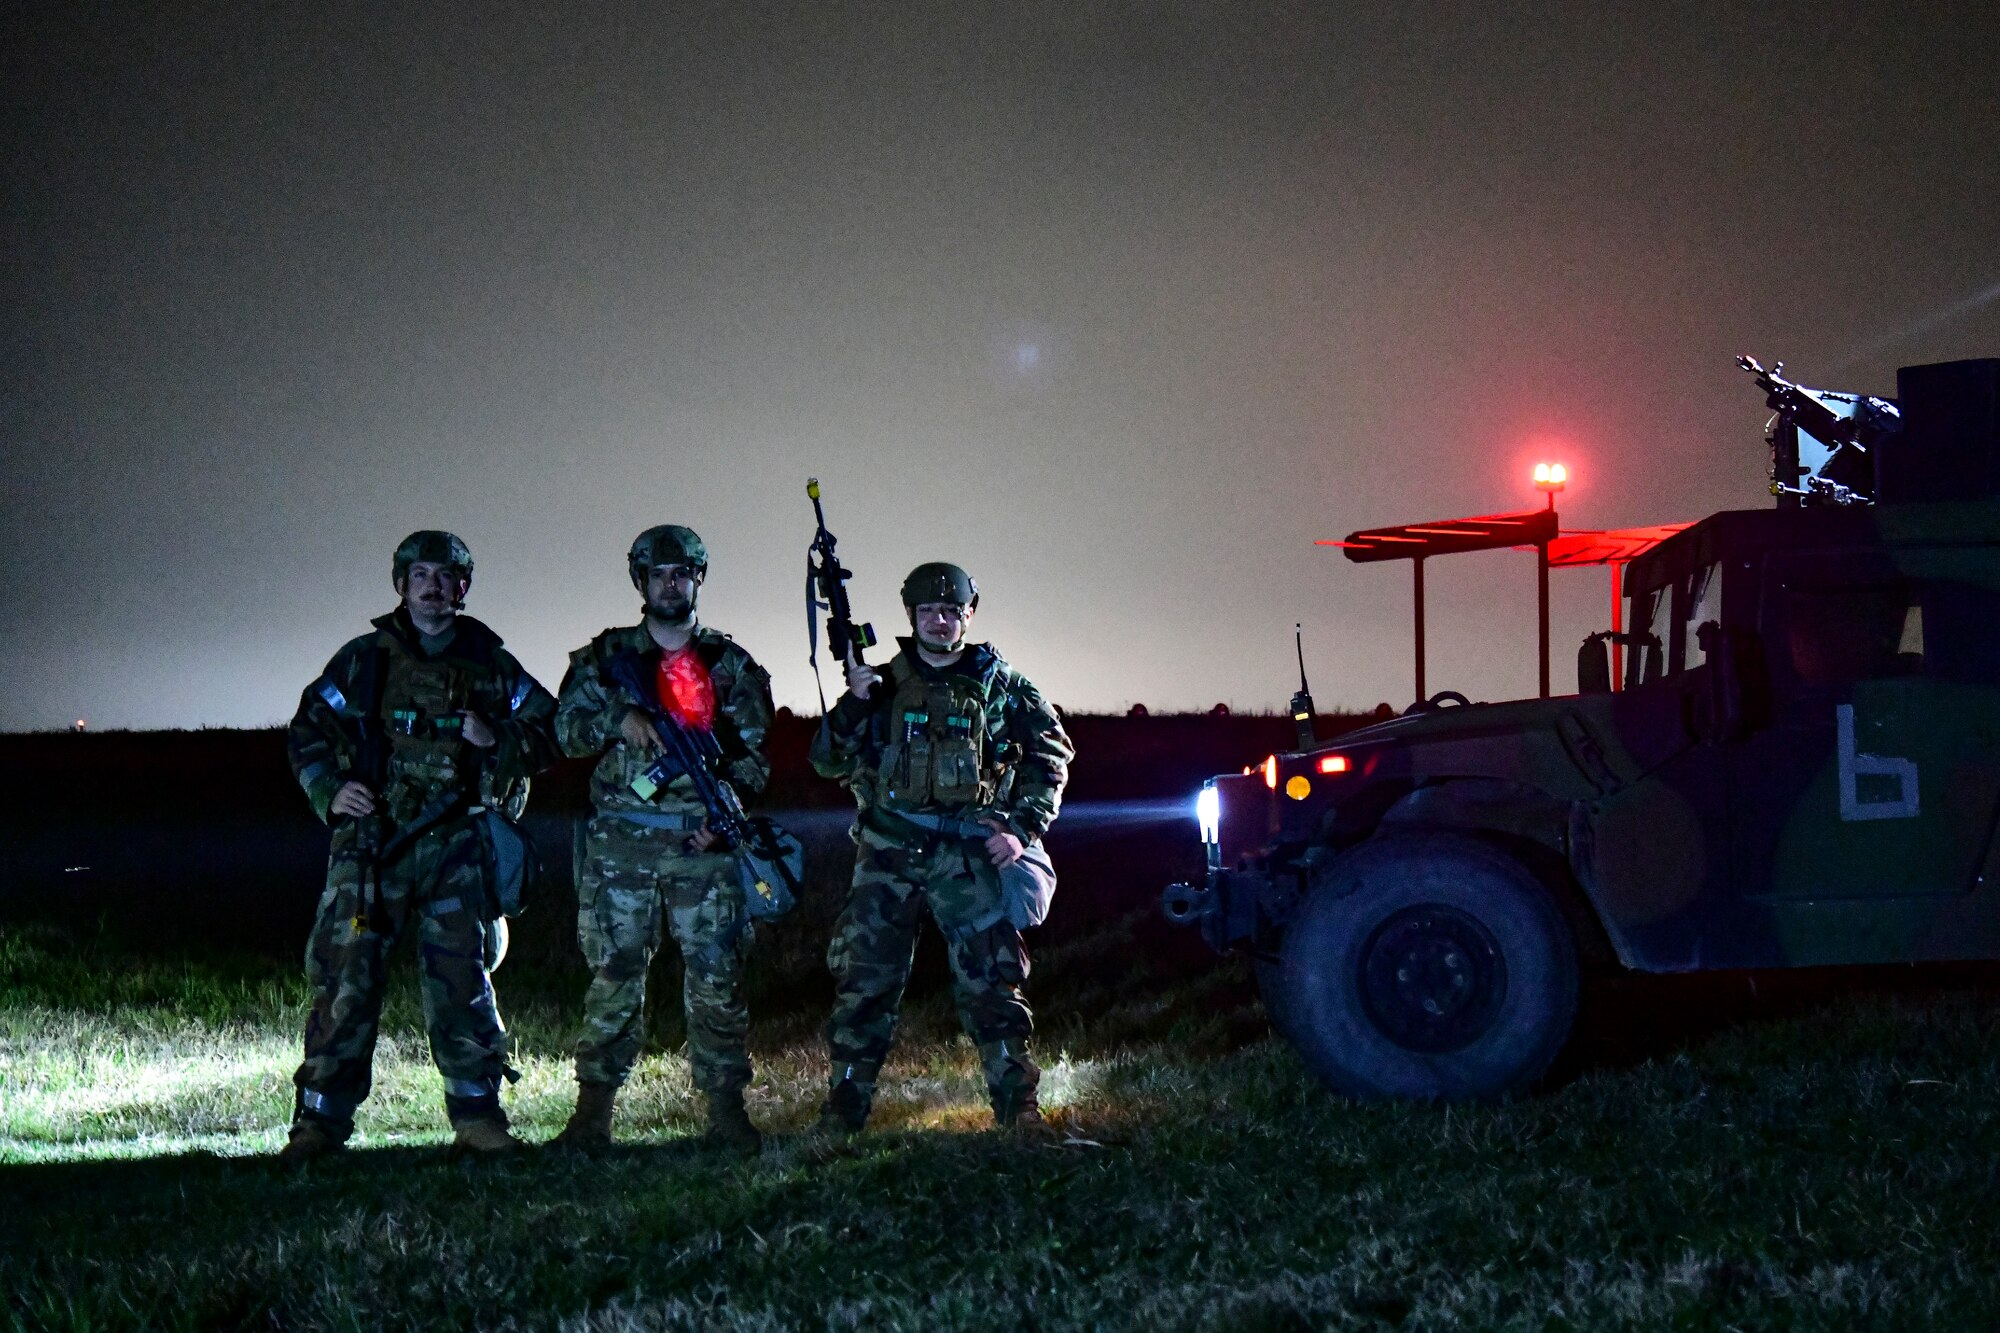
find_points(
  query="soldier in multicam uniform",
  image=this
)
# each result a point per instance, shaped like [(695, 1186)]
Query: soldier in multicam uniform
[(949, 730), (650, 859), (411, 734)]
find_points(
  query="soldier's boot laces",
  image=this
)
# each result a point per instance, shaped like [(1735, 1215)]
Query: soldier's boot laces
[(844, 1113), (729, 1128), (589, 1127), (484, 1138), (309, 1142)]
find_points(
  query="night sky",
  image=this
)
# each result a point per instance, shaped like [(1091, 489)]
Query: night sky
[(1118, 306)]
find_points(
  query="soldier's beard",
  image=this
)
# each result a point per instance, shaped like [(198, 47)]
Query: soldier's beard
[(673, 611)]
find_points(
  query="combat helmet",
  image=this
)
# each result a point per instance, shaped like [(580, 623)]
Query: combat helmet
[(431, 546), (667, 544), (936, 581)]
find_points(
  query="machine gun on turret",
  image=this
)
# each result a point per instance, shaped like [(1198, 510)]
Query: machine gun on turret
[(1823, 442)]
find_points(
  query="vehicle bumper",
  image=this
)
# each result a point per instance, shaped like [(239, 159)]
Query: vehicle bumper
[(1228, 907)]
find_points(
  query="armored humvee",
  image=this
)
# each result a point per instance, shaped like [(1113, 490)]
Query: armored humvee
[(1802, 767)]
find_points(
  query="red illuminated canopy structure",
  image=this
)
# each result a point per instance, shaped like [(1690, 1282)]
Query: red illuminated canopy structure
[(1448, 536), (1534, 529), (1614, 547)]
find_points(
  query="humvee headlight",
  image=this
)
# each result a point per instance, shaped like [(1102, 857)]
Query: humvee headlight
[(1208, 813), (1333, 763)]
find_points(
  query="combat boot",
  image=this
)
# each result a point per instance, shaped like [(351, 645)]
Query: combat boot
[(729, 1128), (589, 1127), (310, 1140), (1016, 1111), (845, 1112), (484, 1138)]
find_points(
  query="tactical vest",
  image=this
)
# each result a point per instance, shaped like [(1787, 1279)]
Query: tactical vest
[(420, 720), (935, 747)]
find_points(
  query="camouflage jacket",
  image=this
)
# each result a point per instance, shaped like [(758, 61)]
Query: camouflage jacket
[(339, 732), (590, 708), (1024, 753)]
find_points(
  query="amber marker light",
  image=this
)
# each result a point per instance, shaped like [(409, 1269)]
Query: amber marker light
[(1297, 787), (1271, 772), (1333, 763)]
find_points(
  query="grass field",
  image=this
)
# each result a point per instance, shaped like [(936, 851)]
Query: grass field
[(1831, 1167)]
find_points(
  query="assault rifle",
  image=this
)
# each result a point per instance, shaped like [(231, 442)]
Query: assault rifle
[(826, 590), (770, 860)]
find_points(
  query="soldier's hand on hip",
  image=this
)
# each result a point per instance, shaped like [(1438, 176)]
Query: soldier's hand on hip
[(353, 799), (1003, 847), (860, 678), (477, 734), (637, 729)]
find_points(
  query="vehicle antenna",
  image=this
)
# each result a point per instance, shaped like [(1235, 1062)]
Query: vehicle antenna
[(1302, 702)]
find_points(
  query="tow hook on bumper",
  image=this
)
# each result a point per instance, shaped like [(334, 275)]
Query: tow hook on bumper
[(1187, 904)]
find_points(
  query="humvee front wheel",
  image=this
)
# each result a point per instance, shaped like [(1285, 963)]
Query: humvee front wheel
[(1430, 966)]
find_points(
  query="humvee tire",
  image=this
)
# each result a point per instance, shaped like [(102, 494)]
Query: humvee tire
[(1270, 974), (1430, 966)]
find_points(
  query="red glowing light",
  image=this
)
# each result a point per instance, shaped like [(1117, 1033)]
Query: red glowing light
[(1551, 476), (1333, 763), (1271, 772), (686, 691)]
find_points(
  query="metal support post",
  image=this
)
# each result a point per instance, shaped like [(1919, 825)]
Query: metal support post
[(1417, 569), (1542, 608), (1617, 624)]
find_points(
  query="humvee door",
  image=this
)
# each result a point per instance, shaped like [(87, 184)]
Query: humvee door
[(1878, 774)]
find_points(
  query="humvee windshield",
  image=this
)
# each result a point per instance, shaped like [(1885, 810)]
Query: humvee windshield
[(1675, 646), (1704, 603)]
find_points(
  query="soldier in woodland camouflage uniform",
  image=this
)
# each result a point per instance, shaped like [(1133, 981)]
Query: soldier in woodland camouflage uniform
[(946, 729), (413, 730), (651, 863)]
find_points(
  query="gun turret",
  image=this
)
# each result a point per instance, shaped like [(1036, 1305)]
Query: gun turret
[(1823, 442)]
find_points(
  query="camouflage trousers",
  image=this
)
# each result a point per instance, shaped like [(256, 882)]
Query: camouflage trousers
[(896, 882), (637, 881), (440, 879)]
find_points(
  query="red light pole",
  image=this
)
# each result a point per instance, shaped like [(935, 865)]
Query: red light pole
[(1549, 478)]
